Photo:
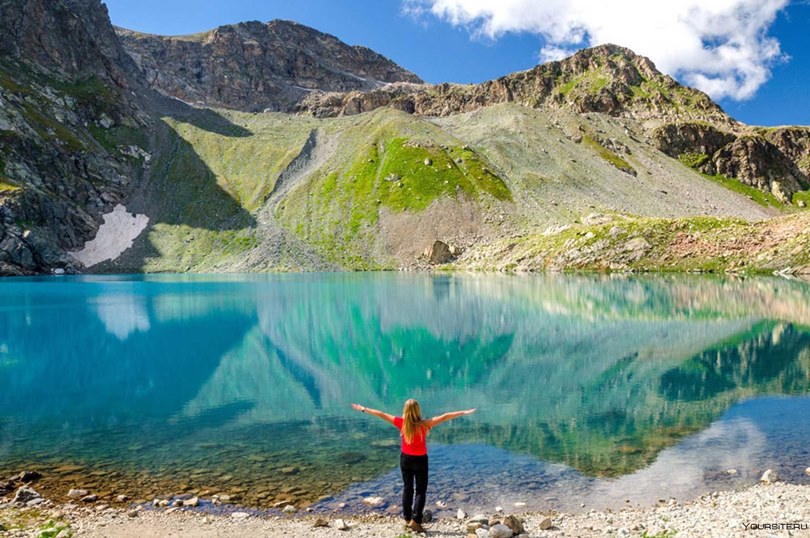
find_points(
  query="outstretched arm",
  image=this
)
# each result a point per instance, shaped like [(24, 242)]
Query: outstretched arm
[(379, 414), (448, 416)]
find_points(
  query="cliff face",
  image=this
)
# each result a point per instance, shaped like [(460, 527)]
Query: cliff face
[(253, 66), (775, 161), (69, 38), (62, 80)]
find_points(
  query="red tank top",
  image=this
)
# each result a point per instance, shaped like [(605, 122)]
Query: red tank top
[(418, 446)]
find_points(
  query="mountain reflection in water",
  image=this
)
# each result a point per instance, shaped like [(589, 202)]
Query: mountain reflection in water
[(226, 382)]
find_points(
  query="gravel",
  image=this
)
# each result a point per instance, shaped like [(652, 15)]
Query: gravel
[(725, 514)]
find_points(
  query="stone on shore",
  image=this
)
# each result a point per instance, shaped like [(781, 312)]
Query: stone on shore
[(341, 525), (240, 515), (482, 533), (192, 502), (769, 477), (320, 522), (461, 514), (89, 498), (500, 531), (514, 523), (438, 253), (546, 524), (289, 509), (24, 495)]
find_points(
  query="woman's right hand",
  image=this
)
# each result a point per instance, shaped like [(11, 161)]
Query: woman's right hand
[(358, 407)]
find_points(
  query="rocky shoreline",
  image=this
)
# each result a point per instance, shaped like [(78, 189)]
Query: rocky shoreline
[(770, 508)]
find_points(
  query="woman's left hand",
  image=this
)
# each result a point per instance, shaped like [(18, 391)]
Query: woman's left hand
[(358, 407)]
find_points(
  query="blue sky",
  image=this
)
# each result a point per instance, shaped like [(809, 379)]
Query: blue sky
[(453, 42)]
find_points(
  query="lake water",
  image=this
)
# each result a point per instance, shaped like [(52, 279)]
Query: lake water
[(590, 389)]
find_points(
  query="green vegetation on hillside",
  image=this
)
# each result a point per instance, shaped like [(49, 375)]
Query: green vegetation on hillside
[(802, 196), (693, 160), (246, 167), (119, 135), (591, 82), (679, 97), (701, 244), (765, 199), (608, 155), (391, 168)]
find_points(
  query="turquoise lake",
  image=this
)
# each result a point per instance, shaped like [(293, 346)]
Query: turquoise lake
[(591, 389)]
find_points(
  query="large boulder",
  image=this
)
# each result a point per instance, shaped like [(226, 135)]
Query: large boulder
[(439, 253)]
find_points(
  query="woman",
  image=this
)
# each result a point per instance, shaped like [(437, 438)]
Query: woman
[(413, 461)]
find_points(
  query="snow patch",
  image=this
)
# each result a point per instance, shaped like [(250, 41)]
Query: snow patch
[(115, 235)]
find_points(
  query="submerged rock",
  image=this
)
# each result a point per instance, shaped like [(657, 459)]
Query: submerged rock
[(374, 501), (26, 477)]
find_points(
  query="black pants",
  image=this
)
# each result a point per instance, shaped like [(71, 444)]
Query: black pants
[(414, 468)]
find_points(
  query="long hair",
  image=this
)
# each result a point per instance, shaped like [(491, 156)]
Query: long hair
[(412, 422)]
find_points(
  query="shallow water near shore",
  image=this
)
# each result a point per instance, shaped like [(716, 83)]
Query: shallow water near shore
[(593, 389)]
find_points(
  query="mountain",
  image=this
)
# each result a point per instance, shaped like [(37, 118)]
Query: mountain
[(257, 147), (608, 79), (64, 80), (253, 66)]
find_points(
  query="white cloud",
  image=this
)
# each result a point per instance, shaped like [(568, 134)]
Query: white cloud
[(719, 46)]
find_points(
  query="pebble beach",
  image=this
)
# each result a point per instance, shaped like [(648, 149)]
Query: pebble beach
[(763, 510)]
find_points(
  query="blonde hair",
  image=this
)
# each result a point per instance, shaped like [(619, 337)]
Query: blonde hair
[(412, 422)]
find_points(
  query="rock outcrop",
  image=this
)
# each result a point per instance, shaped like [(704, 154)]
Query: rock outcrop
[(253, 66), (64, 87), (771, 161), (608, 79)]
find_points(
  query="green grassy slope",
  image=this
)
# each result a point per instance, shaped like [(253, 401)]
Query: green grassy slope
[(522, 170), (385, 161)]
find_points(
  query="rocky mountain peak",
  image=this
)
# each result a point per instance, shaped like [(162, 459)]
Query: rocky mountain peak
[(69, 38), (254, 66), (608, 79)]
